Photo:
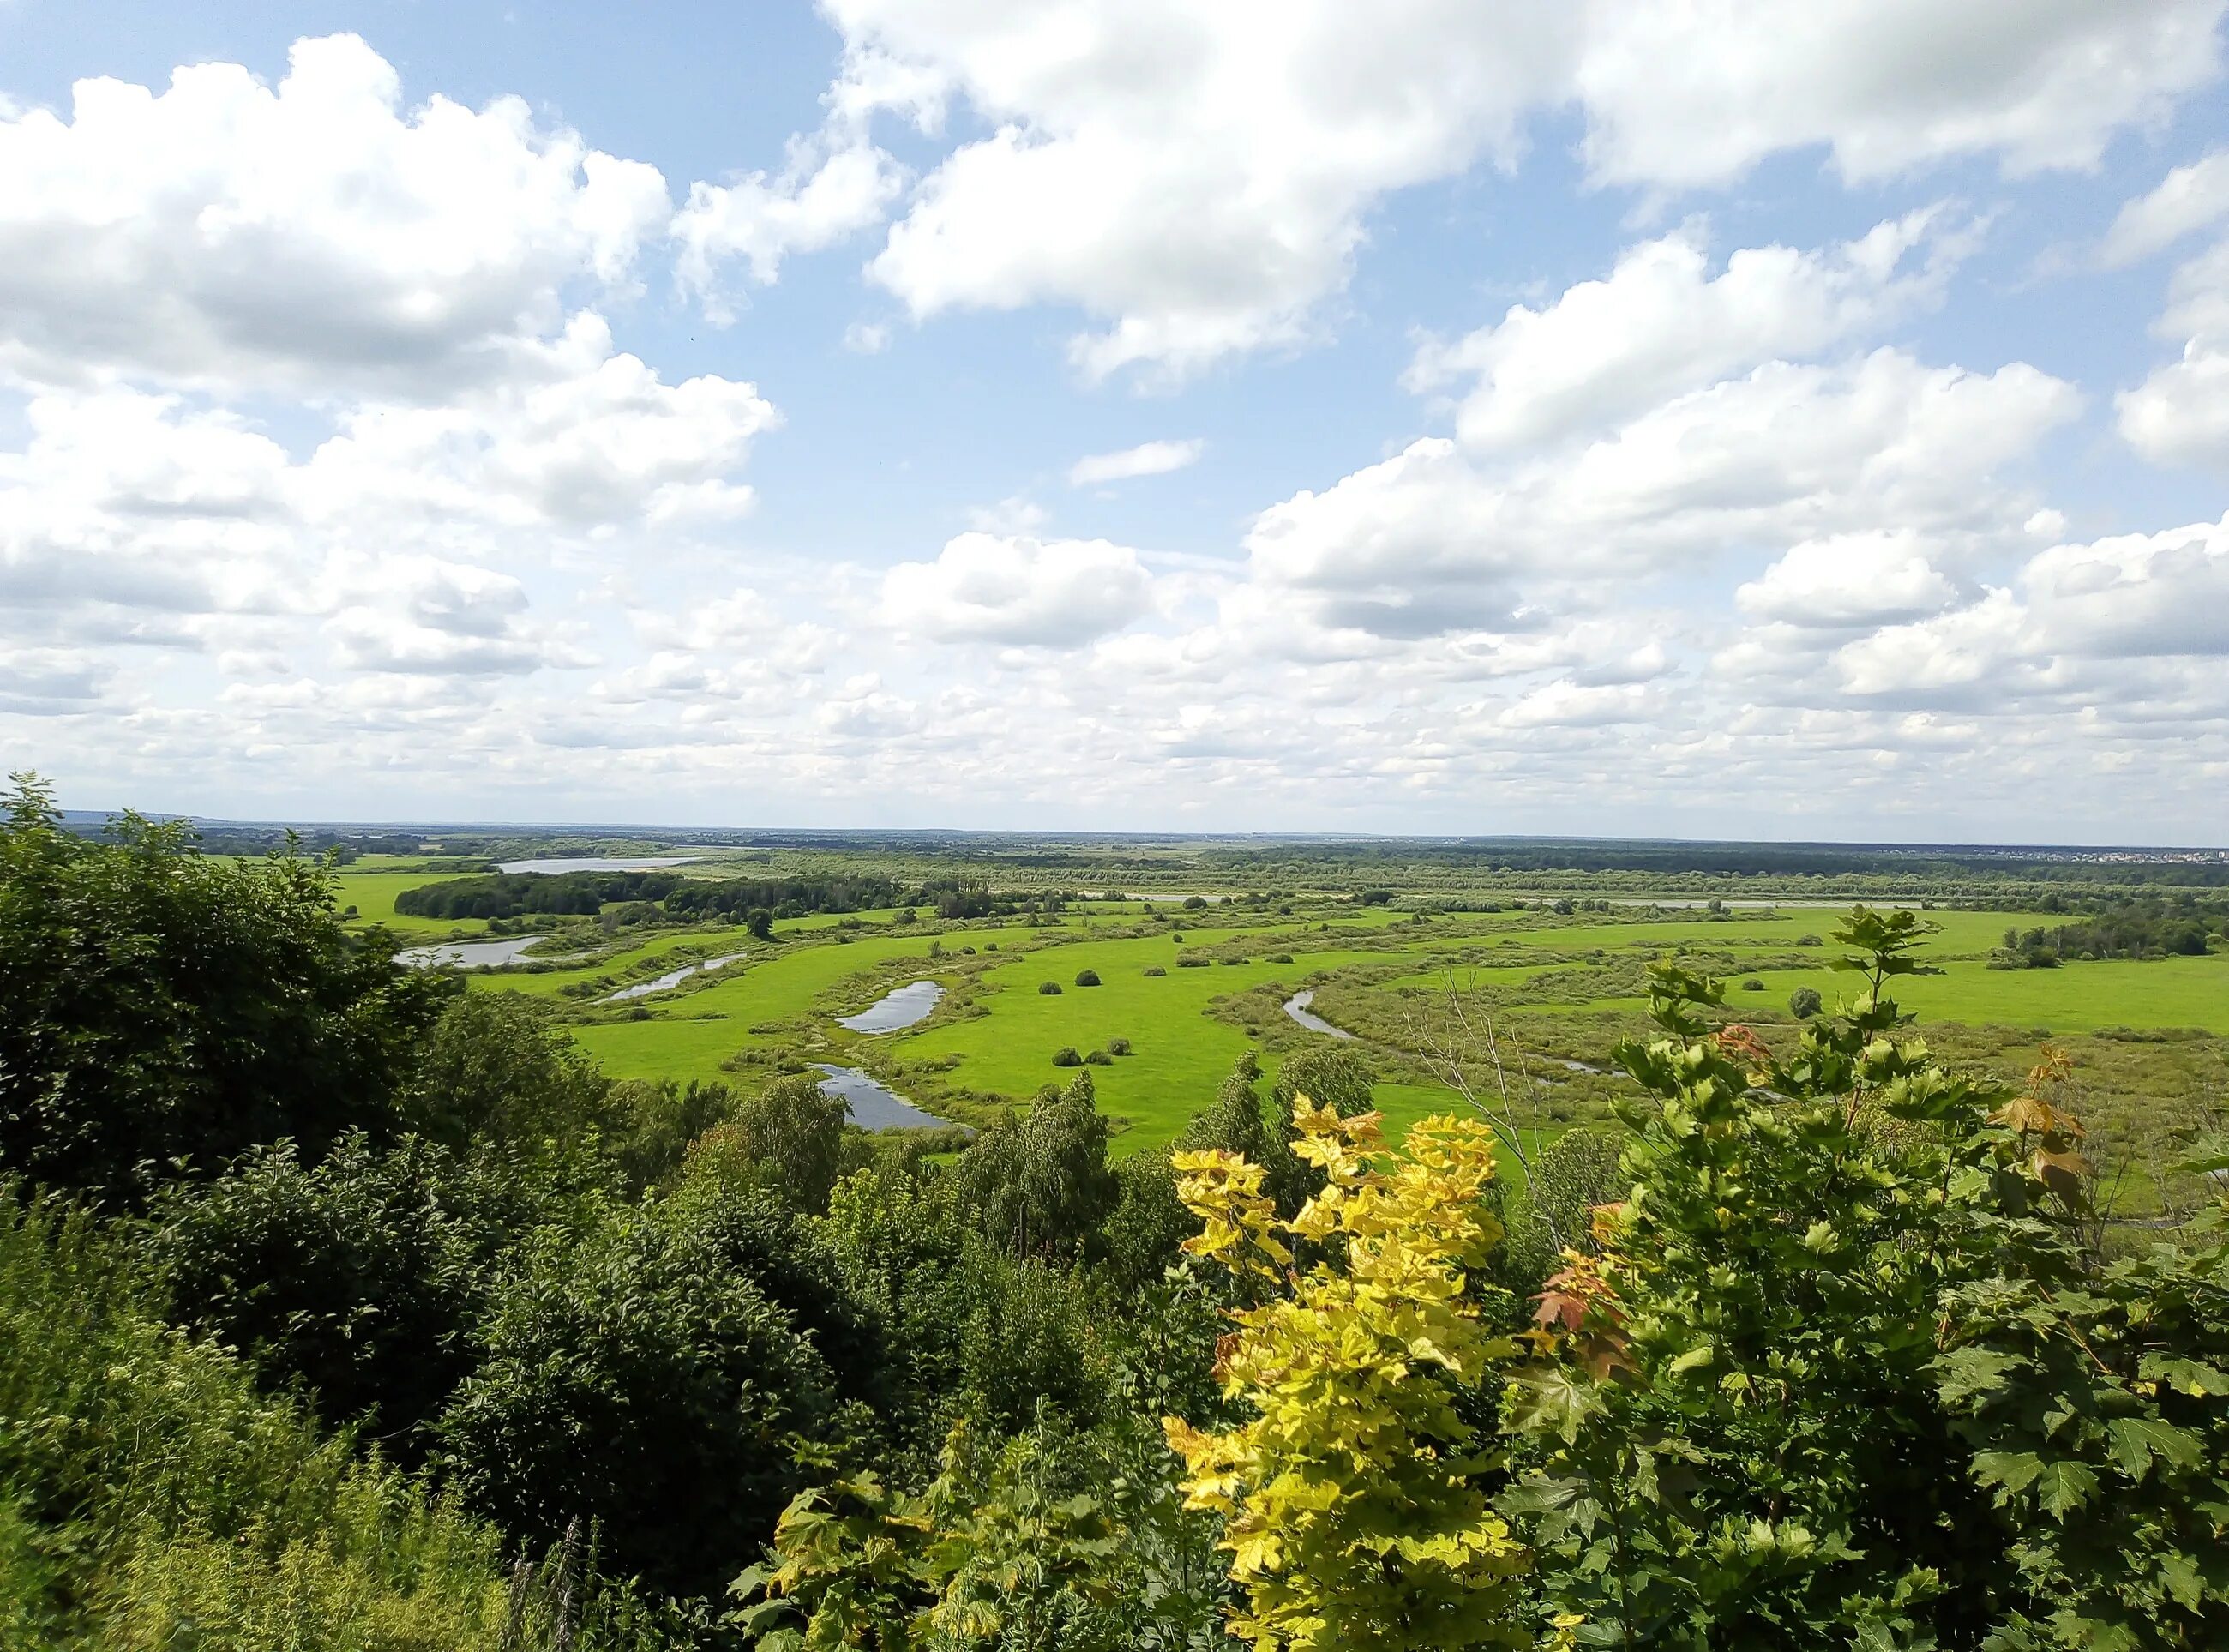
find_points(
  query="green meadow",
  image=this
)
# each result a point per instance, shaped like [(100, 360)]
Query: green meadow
[(1558, 989)]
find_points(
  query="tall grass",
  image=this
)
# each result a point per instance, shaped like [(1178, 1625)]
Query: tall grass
[(150, 1497)]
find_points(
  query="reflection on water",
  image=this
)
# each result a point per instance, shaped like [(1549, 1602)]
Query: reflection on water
[(874, 1106), (594, 864), (468, 954), (900, 1008), (1297, 1007), (672, 978)]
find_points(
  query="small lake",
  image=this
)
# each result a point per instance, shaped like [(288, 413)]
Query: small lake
[(1297, 1007), (874, 1105), (594, 864), (894, 1010), (468, 954), (672, 978)]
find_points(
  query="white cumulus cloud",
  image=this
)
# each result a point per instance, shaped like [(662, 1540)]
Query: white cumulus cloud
[(1146, 458)]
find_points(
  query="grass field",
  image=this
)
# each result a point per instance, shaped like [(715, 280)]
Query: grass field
[(372, 894), (1569, 986)]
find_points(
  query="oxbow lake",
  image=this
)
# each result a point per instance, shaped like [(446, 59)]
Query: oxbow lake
[(874, 1105), (896, 1010), (468, 954), (593, 863)]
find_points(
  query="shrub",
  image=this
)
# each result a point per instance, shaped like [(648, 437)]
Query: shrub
[(1194, 902), (1803, 1003), (142, 1017), (1752, 984), (1086, 978), (1118, 1046), (1155, 969), (1066, 1057), (1099, 1058), (1194, 961)]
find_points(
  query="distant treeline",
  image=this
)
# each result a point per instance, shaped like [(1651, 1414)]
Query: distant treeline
[(1413, 863), (510, 895), (785, 898), (2149, 929)]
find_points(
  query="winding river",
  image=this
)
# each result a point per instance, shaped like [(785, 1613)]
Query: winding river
[(1297, 1007), (672, 978)]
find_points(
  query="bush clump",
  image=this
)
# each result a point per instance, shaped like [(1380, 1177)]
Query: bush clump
[(1752, 984), (1118, 1046), (1803, 1003), (1099, 1058), (1086, 978), (1049, 989), (1066, 1057), (1155, 969)]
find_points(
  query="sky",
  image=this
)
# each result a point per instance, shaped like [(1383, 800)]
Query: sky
[(1723, 419)]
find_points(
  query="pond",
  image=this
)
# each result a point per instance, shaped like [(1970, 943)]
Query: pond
[(1297, 1007), (874, 1105), (594, 864), (468, 954), (672, 978), (894, 1010)]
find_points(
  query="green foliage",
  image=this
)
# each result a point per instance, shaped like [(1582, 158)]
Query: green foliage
[(359, 1279), (634, 1372), (788, 1138), (1039, 1185), (498, 1066), (1118, 1046), (1051, 1541), (1086, 978), (150, 1497), (1841, 1275), (1331, 1073), (162, 1010), (1049, 989), (1066, 1056), (1803, 1003)]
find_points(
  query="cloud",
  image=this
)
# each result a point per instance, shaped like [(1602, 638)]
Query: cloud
[(1696, 96), (1198, 180), (1434, 540), (989, 588), (2179, 415), (1661, 323), (1146, 458), (312, 234), (2189, 198), (824, 195), (1849, 580)]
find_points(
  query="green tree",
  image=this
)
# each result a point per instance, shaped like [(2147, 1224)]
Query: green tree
[(633, 1373), (162, 1010), (498, 1064), (1331, 1074), (1040, 1184), (1804, 1003), (788, 1138)]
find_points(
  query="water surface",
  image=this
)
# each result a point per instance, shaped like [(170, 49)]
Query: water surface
[(1297, 1007), (874, 1105), (894, 1010), (672, 978), (595, 864), (468, 954)]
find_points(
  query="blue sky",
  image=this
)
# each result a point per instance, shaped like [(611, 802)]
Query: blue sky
[(1572, 420)]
